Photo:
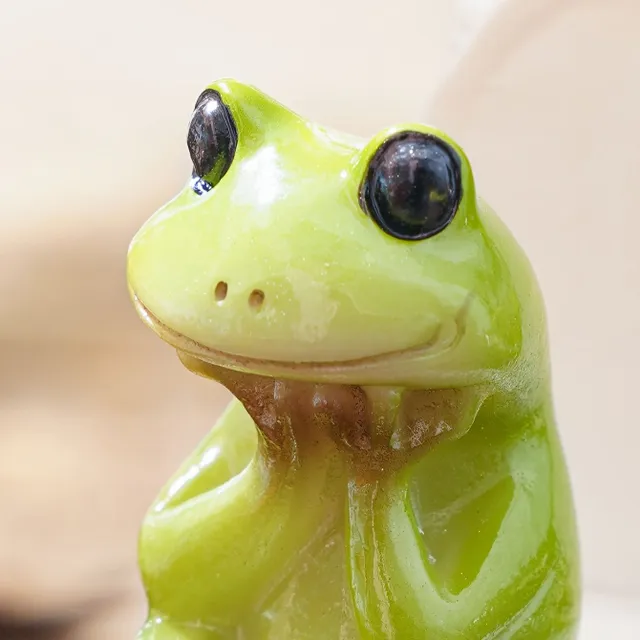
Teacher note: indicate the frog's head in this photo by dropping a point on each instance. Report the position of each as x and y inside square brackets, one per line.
[297, 252]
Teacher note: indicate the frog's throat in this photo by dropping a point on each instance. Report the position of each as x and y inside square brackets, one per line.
[445, 338]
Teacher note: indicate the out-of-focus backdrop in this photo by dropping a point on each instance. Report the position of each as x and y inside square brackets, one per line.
[96, 413]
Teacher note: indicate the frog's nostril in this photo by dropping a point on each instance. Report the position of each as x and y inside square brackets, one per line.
[221, 291]
[256, 298]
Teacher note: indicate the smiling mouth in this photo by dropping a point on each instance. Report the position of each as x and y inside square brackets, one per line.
[445, 338]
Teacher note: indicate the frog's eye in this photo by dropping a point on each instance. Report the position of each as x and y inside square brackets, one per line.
[211, 140]
[412, 187]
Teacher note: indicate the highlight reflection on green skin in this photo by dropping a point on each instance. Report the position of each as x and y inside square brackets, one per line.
[390, 467]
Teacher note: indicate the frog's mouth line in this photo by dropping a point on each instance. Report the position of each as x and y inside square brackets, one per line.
[445, 338]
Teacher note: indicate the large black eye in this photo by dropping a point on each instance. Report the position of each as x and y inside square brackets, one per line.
[211, 140]
[412, 187]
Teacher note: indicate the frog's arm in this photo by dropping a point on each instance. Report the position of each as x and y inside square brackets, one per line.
[259, 517]
[448, 545]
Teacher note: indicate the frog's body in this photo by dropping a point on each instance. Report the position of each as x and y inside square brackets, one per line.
[391, 466]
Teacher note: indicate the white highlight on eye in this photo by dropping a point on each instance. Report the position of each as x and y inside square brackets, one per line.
[211, 106]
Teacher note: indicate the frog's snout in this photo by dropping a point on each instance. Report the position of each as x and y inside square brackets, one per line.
[254, 299]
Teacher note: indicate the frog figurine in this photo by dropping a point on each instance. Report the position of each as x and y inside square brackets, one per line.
[390, 467]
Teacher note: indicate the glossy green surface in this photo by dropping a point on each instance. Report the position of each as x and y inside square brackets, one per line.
[391, 466]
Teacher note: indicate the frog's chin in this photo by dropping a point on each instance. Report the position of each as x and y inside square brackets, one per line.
[444, 339]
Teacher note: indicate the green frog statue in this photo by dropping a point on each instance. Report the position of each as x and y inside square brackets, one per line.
[390, 468]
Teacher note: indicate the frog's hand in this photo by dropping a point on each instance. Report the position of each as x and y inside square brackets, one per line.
[223, 454]
[229, 545]
[498, 565]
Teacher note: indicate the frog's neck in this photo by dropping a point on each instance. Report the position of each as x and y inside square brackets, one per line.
[304, 425]
[373, 431]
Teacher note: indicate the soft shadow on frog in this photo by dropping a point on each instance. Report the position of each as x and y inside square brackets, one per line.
[390, 467]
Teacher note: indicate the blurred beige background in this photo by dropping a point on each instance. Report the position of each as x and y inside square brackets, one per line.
[95, 412]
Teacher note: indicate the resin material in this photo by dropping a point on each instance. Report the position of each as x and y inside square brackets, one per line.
[390, 467]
